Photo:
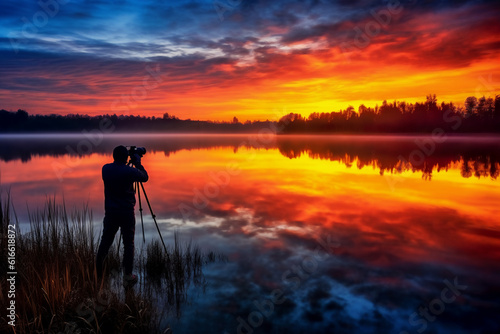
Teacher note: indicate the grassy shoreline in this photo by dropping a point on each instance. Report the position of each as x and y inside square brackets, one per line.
[57, 290]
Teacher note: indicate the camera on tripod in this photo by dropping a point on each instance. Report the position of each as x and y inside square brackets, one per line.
[140, 151]
[133, 150]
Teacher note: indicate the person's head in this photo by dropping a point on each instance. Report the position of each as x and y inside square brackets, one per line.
[120, 154]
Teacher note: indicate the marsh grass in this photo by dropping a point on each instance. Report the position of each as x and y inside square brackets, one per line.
[57, 290]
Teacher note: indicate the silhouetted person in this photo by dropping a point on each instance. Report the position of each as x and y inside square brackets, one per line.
[119, 202]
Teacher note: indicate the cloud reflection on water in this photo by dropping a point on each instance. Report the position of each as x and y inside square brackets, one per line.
[397, 244]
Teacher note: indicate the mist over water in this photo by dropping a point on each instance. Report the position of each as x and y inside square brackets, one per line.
[340, 234]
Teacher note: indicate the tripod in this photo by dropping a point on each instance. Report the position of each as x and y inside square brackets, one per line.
[137, 184]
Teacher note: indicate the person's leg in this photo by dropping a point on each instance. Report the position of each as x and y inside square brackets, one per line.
[128, 234]
[108, 235]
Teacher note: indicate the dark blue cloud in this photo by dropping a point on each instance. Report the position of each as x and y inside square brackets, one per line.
[146, 29]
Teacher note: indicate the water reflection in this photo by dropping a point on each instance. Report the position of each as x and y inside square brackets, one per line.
[477, 156]
[271, 206]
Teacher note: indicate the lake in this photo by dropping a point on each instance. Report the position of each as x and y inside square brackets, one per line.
[322, 234]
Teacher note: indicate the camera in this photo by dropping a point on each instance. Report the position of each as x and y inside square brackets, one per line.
[140, 151]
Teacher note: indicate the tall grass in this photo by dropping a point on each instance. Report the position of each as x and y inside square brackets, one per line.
[57, 290]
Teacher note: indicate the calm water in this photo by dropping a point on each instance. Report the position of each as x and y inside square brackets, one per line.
[323, 234]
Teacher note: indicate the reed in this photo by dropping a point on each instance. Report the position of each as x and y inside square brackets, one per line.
[57, 290]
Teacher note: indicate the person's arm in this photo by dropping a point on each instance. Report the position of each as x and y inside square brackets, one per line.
[140, 173]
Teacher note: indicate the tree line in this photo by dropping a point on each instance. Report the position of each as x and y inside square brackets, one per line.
[22, 122]
[476, 116]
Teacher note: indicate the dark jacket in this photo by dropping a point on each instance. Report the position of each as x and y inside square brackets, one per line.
[119, 194]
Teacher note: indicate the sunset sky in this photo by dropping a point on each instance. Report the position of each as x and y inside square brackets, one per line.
[212, 60]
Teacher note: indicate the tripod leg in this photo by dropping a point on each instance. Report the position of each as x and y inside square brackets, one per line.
[154, 217]
[140, 209]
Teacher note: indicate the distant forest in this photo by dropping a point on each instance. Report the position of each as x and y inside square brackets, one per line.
[22, 122]
[476, 116]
